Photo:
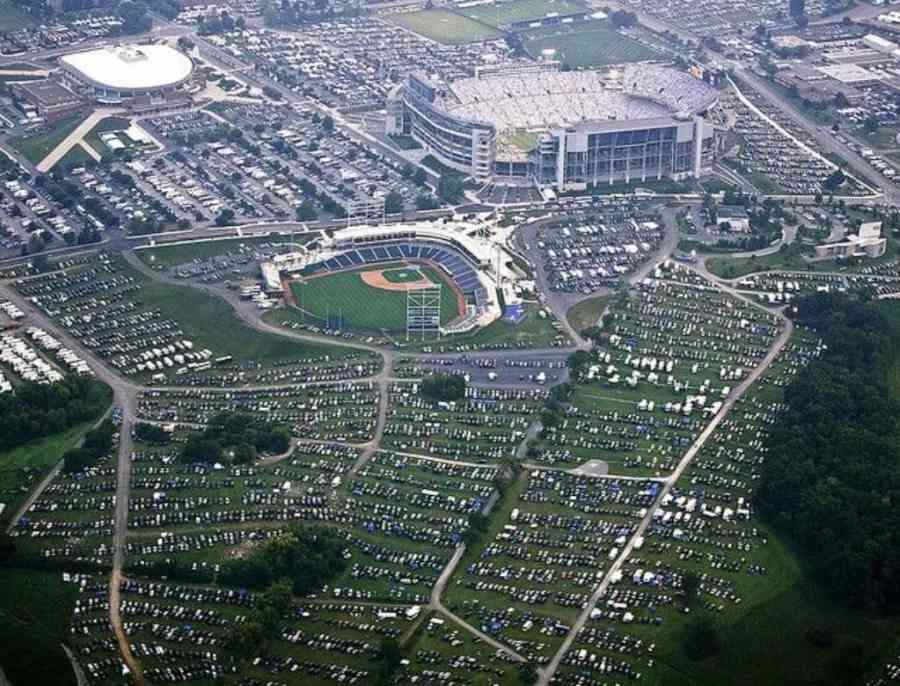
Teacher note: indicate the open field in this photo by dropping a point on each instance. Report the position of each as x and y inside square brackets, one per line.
[592, 45]
[501, 14]
[586, 312]
[348, 302]
[22, 468]
[36, 147]
[35, 608]
[180, 253]
[213, 323]
[445, 27]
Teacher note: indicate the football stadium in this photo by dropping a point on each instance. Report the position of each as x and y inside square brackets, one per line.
[414, 278]
[559, 129]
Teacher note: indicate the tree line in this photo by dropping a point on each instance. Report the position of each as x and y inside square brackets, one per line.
[831, 478]
[39, 410]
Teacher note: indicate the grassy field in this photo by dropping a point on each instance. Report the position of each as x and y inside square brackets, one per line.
[588, 45]
[587, 312]
[532, 332]
[212, 323]
[519, 10]
[181, 253]
[35, 148]
[11, 17]
[347, 299]
[35, 608]
[445, 27]
[22, 468]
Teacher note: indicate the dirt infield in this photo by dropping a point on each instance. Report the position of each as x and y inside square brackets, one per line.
[376, 279]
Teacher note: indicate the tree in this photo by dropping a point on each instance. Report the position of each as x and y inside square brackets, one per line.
[328, 123]
[390, 658]
[225, 217]
[578, 360]
[451, 188]
[834, 180]
[151, 433]
[443, 387]
[526, 675]
[306, 211]
[393, 203]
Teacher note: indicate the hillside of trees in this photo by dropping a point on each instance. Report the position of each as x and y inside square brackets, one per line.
[38, 410]
[832, 476]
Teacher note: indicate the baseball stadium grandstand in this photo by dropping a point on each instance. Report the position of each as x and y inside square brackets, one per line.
[559, 129]
[471, 269]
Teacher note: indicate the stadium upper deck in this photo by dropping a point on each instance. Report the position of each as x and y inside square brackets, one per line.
[579, 127]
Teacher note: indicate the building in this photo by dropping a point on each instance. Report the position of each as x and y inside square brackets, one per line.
[120, 74]
[867, 243]
[735, 215]
[562, 129]
[51, 100]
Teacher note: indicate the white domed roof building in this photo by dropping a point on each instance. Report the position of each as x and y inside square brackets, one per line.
[116, 74]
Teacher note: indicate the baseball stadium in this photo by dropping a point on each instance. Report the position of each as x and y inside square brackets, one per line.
[416, 279]
[559, 129]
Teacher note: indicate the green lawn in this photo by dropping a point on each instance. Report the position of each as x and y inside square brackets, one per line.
[35, 609]
[352, 304]
[734, 267]
[36, 147]
[212, 323]
[533, 331]
[588, 45]
[21, 469]
[771, 644]
[586, 313]
[445, 27]
[500, 14]
[187, 251]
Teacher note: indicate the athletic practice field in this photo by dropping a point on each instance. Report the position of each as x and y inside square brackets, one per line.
[593, 44]
[370, 299]
[500, 14]
[445, 27]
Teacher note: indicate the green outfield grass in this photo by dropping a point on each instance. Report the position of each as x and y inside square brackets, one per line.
[349, 302]
[445, 27]
[587, 45]
[519, 10]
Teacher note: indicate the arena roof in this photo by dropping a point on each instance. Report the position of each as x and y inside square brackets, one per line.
[554, 98]
[131, 67]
